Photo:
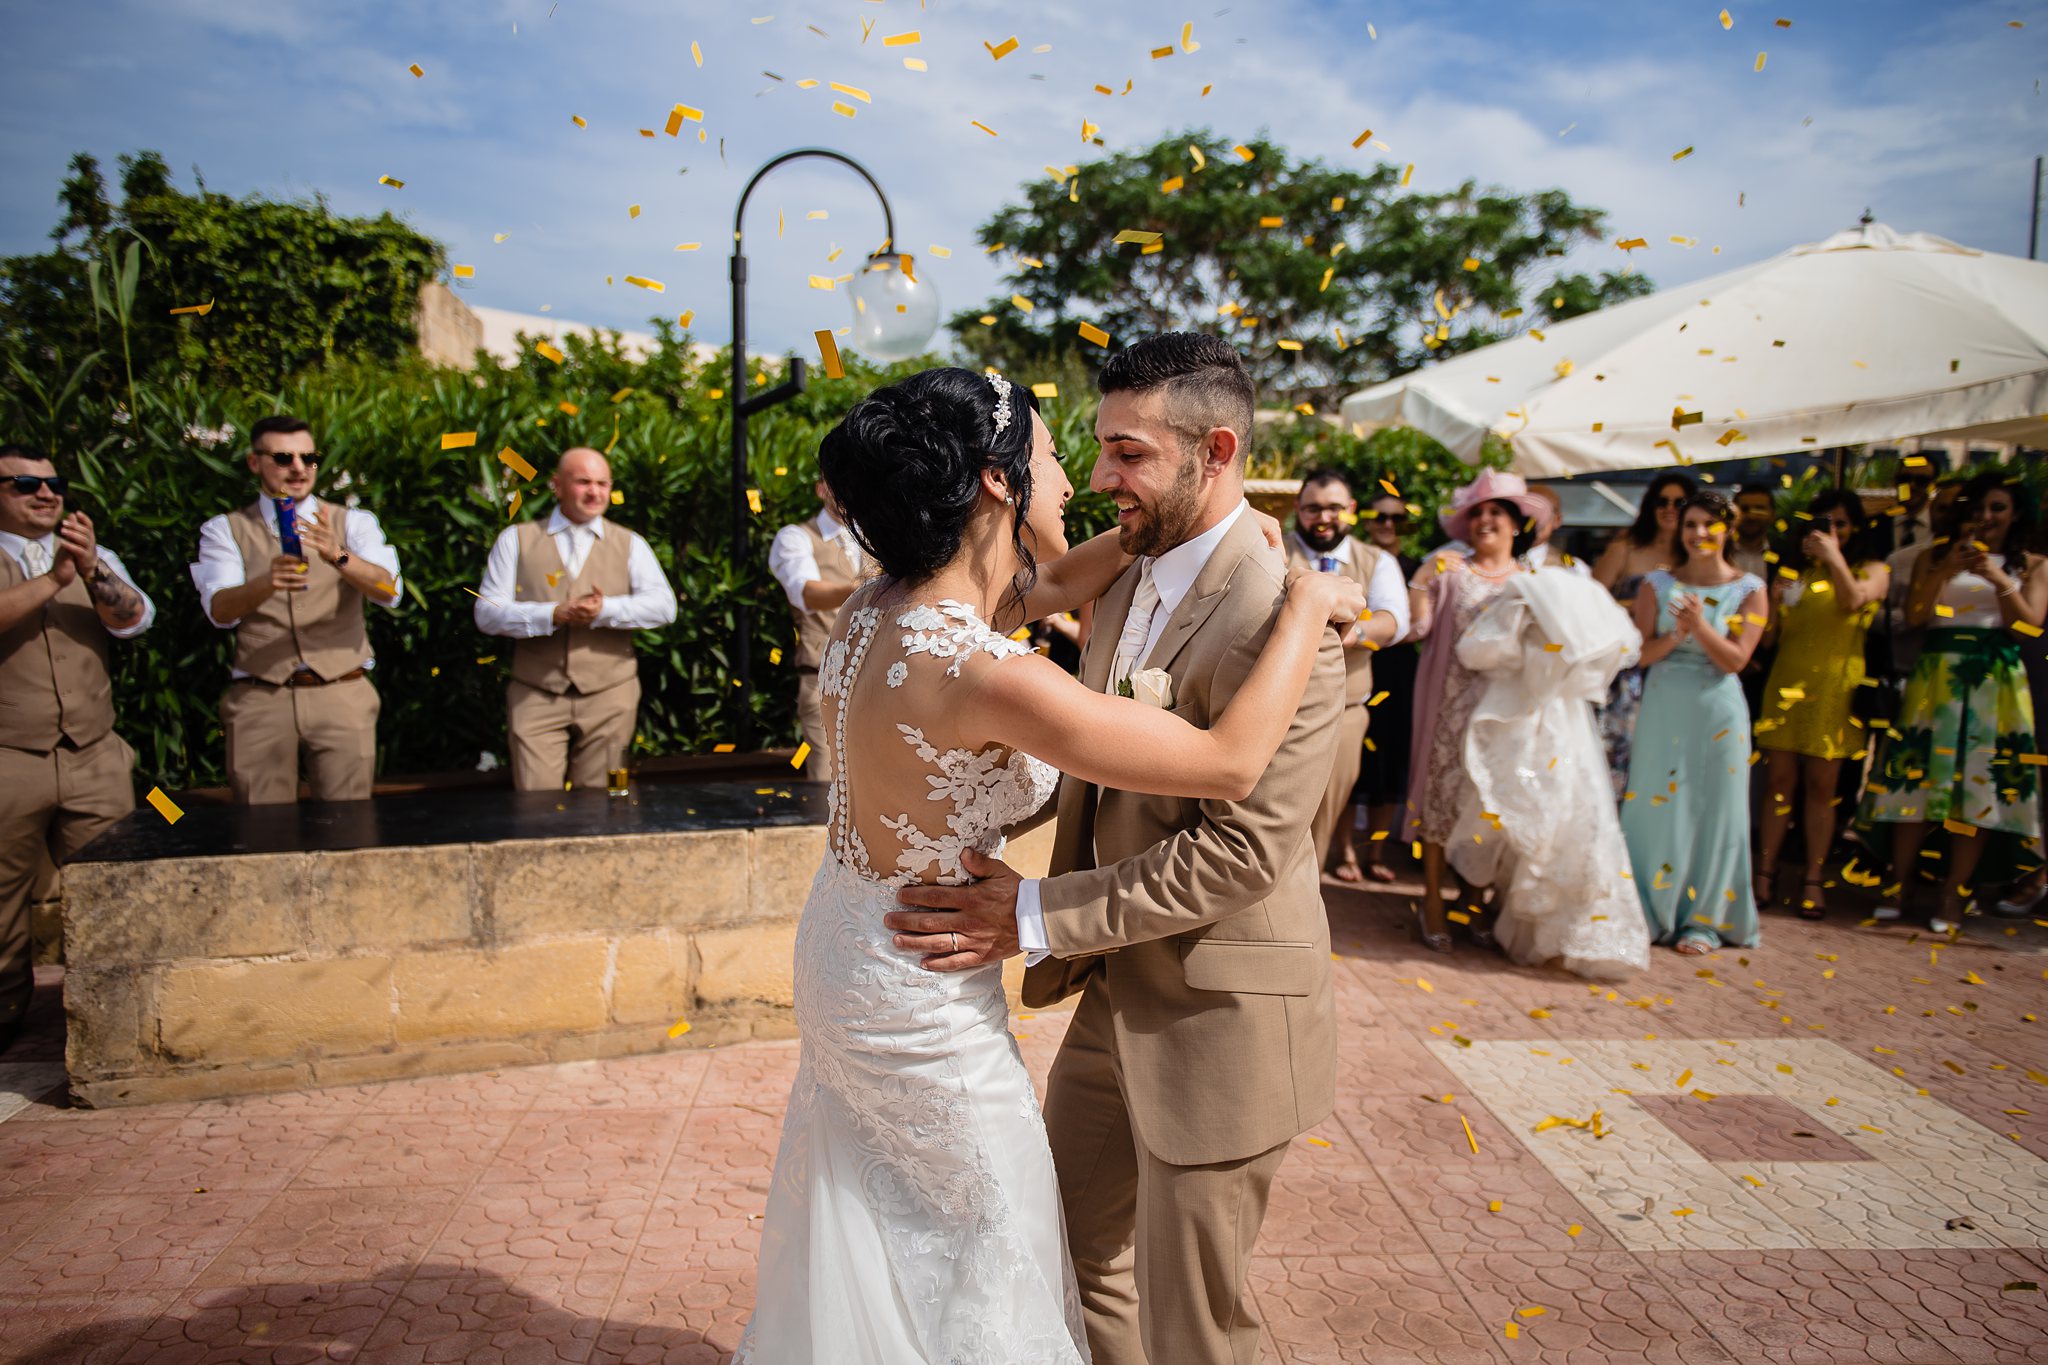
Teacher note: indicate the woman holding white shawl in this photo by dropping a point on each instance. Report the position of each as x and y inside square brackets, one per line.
[1539, 821]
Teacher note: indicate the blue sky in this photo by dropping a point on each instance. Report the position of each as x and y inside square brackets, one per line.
[1929, 113]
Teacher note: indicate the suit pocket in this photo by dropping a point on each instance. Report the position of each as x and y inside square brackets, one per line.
[1250, 966]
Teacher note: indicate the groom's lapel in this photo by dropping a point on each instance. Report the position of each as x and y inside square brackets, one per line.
[1110, 610]
[1209, 586]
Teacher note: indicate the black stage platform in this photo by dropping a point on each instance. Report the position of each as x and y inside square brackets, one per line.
[456, 817]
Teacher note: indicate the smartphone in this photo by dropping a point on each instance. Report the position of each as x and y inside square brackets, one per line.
[288, 527]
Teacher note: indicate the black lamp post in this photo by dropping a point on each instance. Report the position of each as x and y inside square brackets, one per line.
[881, 333]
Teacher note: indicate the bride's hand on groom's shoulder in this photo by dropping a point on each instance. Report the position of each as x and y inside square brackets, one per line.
[958, 928]
[1336, 597]
[1269, 527]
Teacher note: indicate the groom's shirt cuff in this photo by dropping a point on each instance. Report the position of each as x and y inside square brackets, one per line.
[1031, 923]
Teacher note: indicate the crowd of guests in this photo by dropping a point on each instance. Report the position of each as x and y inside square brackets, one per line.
[1770, 704]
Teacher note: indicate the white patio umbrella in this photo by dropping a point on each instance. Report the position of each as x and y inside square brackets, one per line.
[1868, 336]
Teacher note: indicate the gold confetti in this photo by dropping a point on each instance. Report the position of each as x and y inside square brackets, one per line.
[1760, 60]
[1510, 1331]
[655, 285]
[165, 807]
[517, 463]
[1470, 1140]
[1093, 335]
[1243, 151]
[1045, 390]
[1003, 49]
[457, 440]
[681, 1026]
[197, 309]
[1362, 138]
[578, 120]
[632, 210]
[1318, 1142]
[1681, 154]
[548, 351]
[1159, 52]
[910, 39]
[1727, 20]
[1023, 304]
[984, 127]
[1631, 243]
[828, 355]
[1132, 235]
[394, 184]
[803, 751]
[843, 109]
[415, 69]
[914, 64]
[1187, 40]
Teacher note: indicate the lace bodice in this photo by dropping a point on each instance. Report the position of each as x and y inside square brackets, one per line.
[970, 795]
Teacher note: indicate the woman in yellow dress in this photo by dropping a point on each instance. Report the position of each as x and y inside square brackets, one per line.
[1805, 729]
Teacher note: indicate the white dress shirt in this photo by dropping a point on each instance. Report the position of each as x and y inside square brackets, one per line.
[794, 563]
[1386, 592]
[17, 546]
[648, 603]
[220, 558]
[1173, 574]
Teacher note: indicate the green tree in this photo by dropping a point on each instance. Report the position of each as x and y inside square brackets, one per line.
[1327, 278]
[292, 285]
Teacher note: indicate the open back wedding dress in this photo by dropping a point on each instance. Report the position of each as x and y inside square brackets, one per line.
[914, 1215]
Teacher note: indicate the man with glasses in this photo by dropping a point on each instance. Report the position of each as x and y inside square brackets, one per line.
[300, 680]
[1750, 549]
[1324, 512]
[64, 773]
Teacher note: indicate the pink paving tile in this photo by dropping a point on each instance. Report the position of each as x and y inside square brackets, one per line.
[757, 1074]
[1791, 1308]
[314, 1236]
[226, 1151]
[1733, 1127]
[1600, 1305]
[61, 1158]
[1959, 1298]
[629, 1145]
[668, 1080]
[1421, 1130]
[264, 1322]
[730, 1144]
[534, 1320]
[557, 1230]
[76, 1330]
[405, 1150]
[686, 1317]
[1451, 1209]
[707, 1225]
[512, 1090]
[116, 1243]
[1402, 1310]
[1328, 1200]
[22, 1214]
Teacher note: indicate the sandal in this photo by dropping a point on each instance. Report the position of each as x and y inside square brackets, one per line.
[1348, 872]
[1695, 945]
[1763, 885]
[1813, 903]
[1435, 942]
[1379, 872]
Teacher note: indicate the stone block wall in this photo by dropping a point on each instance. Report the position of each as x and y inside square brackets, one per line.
[209, 976]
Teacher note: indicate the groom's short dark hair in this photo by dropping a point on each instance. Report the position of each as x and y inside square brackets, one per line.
[1205, 379]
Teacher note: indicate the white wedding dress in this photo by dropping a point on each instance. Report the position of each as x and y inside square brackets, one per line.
[914, 1216]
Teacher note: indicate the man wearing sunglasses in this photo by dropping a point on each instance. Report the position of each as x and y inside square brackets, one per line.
[300, 681]
[64, 773]
[1324, 512]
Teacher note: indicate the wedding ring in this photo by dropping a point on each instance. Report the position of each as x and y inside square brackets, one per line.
[956, 941]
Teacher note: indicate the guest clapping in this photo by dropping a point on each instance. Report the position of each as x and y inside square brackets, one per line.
[1650, 543]
[1966, 722]
[1685, 813]
[1820, 620]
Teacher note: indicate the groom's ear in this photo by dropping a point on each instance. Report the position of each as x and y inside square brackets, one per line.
[1219, 449]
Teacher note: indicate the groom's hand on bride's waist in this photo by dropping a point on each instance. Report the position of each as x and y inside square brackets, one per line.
[957, 928]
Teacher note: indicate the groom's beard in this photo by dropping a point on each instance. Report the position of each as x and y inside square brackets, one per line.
[1322, 537]
[1160, 526]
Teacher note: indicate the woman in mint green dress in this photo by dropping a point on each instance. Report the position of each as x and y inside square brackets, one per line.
[1685, 813]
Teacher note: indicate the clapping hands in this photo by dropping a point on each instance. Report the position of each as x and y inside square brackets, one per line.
[580, 611]
[1686, 614]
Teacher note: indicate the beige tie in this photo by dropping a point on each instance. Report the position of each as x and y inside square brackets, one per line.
[579, 549]
[32, 554]
[1130, 646]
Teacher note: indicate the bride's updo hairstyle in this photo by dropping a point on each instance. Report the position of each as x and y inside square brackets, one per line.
[905, 465]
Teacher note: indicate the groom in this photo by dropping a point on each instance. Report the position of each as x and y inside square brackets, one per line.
[1204, 1042]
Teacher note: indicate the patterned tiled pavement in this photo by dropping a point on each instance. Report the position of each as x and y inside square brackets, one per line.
[1829, 1149]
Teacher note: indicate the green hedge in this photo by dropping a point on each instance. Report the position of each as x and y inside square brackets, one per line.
[149, 482]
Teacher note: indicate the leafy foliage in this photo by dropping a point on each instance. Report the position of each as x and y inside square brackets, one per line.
[1328, 278]
[293, 285]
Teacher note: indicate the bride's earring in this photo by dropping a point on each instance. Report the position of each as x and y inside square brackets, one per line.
[1009, 500]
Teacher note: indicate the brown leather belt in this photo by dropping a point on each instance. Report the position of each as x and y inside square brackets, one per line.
[307, 679]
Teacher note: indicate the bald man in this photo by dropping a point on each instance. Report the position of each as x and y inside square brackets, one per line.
[571, 590]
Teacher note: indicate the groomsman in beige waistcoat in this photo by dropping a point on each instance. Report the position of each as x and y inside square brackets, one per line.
[1324, 512]
[572, 590]
[300, 682]
[64, 773]
[819, 564]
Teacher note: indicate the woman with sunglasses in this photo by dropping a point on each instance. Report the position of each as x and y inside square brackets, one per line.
[1805, 729]
[1966, 723]
[1647, 545]
[1685, 813]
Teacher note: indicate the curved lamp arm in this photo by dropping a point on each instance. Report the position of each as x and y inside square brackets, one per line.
[888, 217]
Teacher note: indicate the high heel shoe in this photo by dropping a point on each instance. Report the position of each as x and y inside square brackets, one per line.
[1813, 900]
[1437, 942]
[2019, 907]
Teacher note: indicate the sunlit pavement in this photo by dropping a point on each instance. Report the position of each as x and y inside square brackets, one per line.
[1828, 1149]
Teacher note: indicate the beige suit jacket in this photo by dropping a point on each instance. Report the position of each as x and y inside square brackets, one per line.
[1202, 922]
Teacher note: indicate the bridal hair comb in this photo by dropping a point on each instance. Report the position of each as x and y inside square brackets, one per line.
[1002, 388]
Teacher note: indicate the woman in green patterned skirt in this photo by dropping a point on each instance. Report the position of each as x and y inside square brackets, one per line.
[1965, 756]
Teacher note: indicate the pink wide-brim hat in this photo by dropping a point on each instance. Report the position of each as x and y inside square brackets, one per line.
[1493, 485]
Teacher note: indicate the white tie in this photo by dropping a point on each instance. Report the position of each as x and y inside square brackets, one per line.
[1130, 646]
[579, 550]
[38, 562]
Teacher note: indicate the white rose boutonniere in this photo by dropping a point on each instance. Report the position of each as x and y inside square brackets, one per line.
[1152, 686]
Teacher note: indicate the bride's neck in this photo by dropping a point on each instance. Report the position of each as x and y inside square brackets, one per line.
[980, 575]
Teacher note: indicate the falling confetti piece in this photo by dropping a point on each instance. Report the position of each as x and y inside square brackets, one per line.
[1244, 152]
[803, 751]
[165, 807]
[1093, 335]
[984, 127]
[828, 354]
[415, 69]
[457, 440]
[1133, 235]
[1046, 390]
[394, 184]
[517, 463]
[578, 120]
[1681, 154]
[544, 349]
[655, 285]
[1003, 49]
[910, 39]
[1318, 1142]
[1727, 20]
[679, 1028]
[1760, 60]
[197, 309]
[1362, 138]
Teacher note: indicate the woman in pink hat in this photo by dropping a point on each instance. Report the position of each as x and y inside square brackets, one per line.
[1499, 518]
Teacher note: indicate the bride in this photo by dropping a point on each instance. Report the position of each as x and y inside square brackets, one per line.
[914, 1215]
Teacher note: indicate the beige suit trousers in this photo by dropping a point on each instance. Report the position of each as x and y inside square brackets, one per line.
[55, 802]
[1344, 767]
[268, 728]
[810, 712]
[1160, 1251]
[572, 736]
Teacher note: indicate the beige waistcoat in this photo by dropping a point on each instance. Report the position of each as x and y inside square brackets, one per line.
[586, 658]
[54, 683]
[321, 627]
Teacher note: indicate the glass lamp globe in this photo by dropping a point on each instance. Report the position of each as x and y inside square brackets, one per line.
[894, 311]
